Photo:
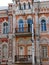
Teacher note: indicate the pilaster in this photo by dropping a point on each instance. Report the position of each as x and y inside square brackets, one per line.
[14, 16]
[10, 49]
[37, 38]
[14, 53]
[0, 51]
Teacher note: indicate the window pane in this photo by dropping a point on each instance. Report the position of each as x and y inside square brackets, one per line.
[30, 22]
[43, 25]
[44, 51]
[4, 51]
[21, 27]
[24, 6]
[20, 6]
[5, 28]
[29, 5]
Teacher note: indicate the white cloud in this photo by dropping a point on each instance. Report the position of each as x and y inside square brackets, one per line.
[5, 2]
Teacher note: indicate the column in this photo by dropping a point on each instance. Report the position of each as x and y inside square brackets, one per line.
[14, 49]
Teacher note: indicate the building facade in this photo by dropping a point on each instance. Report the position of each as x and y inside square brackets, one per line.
[16, 37]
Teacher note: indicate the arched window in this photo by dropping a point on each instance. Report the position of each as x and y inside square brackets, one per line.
[43, 25]
[30, 22]
[29, 5]
[21, 26]
[4, 50]
[20, 6]
[24, 6]
[5, 28]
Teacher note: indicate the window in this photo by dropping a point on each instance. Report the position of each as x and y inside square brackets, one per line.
[20, 6]
[43, 25]
[29, 5]
[29, 25]
[5, 28]
[24, 6]
[21, 50]
[44, 51]
[21, 26]
[4, 48]
[29, 50]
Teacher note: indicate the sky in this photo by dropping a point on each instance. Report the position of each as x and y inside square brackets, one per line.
[5, 2]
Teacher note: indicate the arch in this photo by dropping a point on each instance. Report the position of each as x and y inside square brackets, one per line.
[29, 17]
[29, 41]
[17, 22]
[20, 21]
[44, 40]
[43, 25]
[20, 18]
[5, 24]
[30, 21]
[21, 41]
[41, 18]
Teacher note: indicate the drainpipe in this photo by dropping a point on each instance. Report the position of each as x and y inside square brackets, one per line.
[33, 48]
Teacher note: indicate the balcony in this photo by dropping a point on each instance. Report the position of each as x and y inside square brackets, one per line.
[23, 58]
[23, 31]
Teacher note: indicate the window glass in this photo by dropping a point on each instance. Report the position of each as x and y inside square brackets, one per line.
[20, 6]
[4, 48]
[24, 6]
[44, 52]
[29, 25]
[29, 5]
[21, 26]
[5, 28]
[43, 25]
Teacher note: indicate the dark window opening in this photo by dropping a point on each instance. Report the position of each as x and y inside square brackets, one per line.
[29, 5]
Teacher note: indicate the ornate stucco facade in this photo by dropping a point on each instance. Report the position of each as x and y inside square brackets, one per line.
[16, 31]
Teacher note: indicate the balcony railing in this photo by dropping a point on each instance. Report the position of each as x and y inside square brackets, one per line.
[25, 58]
[23, 30]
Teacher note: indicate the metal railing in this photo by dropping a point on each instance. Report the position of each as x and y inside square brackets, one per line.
[23, 30]
[25, 58]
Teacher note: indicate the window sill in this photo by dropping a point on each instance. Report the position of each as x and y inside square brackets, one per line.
[44, 59]
[44, 31]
